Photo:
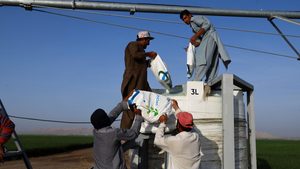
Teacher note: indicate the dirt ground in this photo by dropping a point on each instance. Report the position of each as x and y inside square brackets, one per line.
[78, 159]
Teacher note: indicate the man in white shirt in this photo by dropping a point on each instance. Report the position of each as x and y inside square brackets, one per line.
[184, 148]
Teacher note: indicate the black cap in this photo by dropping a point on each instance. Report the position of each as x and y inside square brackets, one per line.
[99, 119]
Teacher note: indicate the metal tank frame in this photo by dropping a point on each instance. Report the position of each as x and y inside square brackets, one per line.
[229, 82]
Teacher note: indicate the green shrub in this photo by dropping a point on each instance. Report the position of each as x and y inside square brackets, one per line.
[38, 145]
[278, 154]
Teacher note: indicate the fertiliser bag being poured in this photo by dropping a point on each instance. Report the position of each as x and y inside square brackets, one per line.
[151, 104]
[160, 72]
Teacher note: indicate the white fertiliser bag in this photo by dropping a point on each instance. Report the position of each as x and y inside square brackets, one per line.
[160, 72]
[151, 104]
[190, 60]
[152, 127]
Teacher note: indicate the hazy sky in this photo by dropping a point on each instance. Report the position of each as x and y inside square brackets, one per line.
[58, 68]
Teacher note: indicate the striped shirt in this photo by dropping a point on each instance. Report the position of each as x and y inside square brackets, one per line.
[6, 128]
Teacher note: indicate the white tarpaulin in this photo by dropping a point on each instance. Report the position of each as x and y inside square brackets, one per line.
[160, 72]
[151, 104]
[190, 60]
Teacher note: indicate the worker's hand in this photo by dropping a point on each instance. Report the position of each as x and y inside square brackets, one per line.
[134, 109]
[175, 104]
[151, 54]
[194, 42]
[193, 39]
[163, 118]
[127, 97]
[1, 153]
[186, 48]
[137, 111]
[226, 63]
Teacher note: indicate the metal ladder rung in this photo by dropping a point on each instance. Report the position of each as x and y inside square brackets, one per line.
[13, 153]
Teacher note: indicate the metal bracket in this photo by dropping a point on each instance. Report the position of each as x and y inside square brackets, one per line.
[73, 4]
[27, 7]
[270, 19]
[287, 20]
[132, 11]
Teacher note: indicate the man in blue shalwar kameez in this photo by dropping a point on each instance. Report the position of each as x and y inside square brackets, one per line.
[208, 47]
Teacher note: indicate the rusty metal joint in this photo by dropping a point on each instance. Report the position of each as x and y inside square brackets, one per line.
[132, 11]
[73, 4]
[271, 18]
[27, 7]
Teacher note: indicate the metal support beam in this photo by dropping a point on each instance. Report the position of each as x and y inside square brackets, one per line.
[284, 38]
[287, 20]
[227, 82]
[251, 129]
[228, 122]
[149, 8]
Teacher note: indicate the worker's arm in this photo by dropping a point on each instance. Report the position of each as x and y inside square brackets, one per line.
[204, 25]
[133, 132]
[166, 143]
[139, 54]
[160, 139]
[175, 107]
[134, 51]
[116, 111]
[151, 54]
[197, 36]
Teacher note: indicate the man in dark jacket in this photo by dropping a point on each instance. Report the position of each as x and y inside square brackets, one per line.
[107, 149]
[135, 74]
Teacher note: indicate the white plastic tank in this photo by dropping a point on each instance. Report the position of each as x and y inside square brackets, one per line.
[206, 107]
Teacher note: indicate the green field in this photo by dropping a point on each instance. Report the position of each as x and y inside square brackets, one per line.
[271, 154]
[37, 145]
[278, 154]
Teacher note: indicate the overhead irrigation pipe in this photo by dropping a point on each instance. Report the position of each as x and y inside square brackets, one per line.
[148, 8]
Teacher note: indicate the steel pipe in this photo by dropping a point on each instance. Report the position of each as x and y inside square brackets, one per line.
[148, 8]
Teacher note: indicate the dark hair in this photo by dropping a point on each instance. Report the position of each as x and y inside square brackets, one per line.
[182, 127]
[184, 12]
[99, 119]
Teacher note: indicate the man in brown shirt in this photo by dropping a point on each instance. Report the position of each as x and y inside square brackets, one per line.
[135, 74]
